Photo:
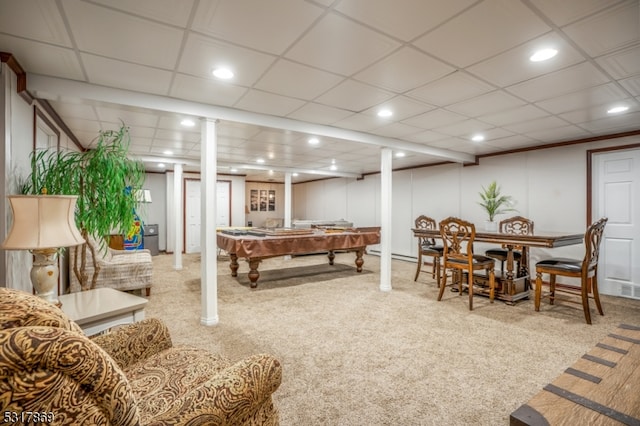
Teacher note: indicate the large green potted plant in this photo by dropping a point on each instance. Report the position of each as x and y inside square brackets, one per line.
[494, 204]
[104, 178]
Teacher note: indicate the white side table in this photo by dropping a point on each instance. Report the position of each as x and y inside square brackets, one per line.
[98, 310]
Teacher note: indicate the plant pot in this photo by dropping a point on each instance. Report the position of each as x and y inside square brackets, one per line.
[490, 226]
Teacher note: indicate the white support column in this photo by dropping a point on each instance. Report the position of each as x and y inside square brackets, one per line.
[177, 208]
[209, 264]
[287, 200]
[385, 218]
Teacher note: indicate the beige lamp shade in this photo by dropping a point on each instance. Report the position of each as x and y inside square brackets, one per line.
[42, 221]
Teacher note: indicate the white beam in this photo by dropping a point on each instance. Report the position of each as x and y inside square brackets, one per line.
[208, 254]
[59, 89]
[177, 208]
[386, 160]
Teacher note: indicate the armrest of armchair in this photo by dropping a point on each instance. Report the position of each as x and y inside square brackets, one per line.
[238, 394]
[135, 342]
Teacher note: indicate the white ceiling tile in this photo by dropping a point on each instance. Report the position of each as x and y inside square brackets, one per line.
[69, 110]
[404, 19]
[270, 26]
[623, 63]
[203, 54]
[565, 12]
[88, 126]
[397, 130]
[495, 133]
[122, 36]
[123, 75]
[594, 113]
[511, 142]
[426, 136]
[177, 135]
[40, 58]
[169, 11]
[36, 20]
[550, 122]
[488, 28]
[359, 122]
[268, 103]
[354, 96]
[514, 115]
[298, 81]
[520, 68]
[130, 117]
[559, 134]
[464, 129]
[616, 27]
[612, 123]
[402, 108]
[577, 77]
[632, 85]
[404, 70]
[141, 135]
[339, 45]
[486, 104]
[436, 118]
[321, 114]
[205, 90]
[591, 96]
[453, 88]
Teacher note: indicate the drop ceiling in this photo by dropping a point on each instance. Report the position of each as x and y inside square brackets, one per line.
[448, 69]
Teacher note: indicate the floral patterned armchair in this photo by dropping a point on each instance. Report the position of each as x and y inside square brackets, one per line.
[131, 376]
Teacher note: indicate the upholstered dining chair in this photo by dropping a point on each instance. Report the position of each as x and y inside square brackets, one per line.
[428, 247]
[516, 225]
[458, 236]
[585, 269]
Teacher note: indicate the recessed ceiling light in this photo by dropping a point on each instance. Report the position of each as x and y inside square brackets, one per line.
[543, 55]
[314, 141]
[271, 172]
[400, 154]
[618, 109]
[223, 73]
[168, 152]
[260, 160]
[385, 113]
[161, 165]
[333, 167]
[477, 138]
[295, 175]
[234, 170]
[187, 122]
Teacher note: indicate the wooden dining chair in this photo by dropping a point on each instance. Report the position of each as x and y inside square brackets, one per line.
[516, 225]
[428, 247]
[585, 269]
[458, 236]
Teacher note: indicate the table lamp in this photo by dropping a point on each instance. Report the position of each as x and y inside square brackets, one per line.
[42, 224]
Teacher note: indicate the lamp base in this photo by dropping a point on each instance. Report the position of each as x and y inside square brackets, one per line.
[44, 274]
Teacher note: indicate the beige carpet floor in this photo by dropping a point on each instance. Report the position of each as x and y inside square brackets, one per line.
[353, 355]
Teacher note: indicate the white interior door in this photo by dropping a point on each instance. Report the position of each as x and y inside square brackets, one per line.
[192, 216]
[617, 197]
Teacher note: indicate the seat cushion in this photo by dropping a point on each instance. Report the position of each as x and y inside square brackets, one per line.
[159, 381]
[430, 250]
[561, 264]
[477, 260]
[501, 254]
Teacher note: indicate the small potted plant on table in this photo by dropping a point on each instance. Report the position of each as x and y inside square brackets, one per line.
[494, 204]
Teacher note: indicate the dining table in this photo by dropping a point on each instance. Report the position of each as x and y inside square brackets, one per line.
[514, 284]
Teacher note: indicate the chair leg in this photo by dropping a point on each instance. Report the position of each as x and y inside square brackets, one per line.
[419, 265]
[585, 301]
[433, 268]
[492, 284]
[470, 288]
[436, 260]
[538, 291]
[552, 289]
[596, 293]
[443, 284]
[148, 291]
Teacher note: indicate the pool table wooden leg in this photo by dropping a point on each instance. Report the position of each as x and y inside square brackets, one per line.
[234, 264]
[254, 275]
[359, 259]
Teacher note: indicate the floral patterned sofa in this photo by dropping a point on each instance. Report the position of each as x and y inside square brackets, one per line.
[131, 376]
